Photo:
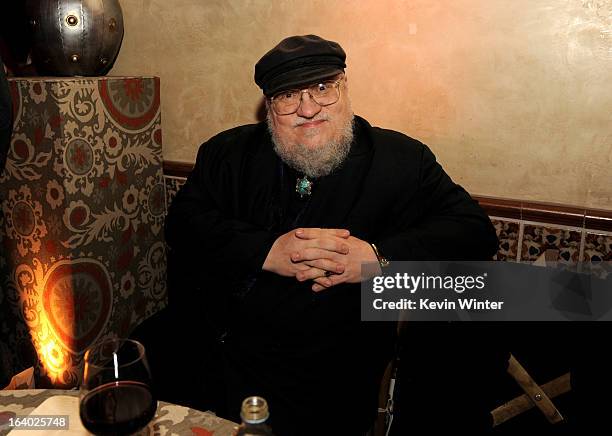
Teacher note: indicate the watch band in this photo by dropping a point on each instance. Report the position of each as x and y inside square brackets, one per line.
[382, 261]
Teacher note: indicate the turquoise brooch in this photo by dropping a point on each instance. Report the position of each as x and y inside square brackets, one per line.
[303, 186]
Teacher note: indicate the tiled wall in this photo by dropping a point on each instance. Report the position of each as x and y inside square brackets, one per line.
[508, 233]
[522, 240]
[597, 246]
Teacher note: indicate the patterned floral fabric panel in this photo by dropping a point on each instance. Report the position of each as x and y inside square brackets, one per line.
[83, 204]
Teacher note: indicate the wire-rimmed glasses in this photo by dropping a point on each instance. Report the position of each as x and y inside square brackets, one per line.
[324, 94]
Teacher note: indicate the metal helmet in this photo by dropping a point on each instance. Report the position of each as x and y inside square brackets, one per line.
[75, 37]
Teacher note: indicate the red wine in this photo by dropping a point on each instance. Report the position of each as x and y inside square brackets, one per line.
[122, 407]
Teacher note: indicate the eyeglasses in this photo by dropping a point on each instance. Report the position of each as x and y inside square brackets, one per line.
[324, 94]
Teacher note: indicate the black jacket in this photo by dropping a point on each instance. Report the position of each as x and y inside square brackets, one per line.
[280, 339]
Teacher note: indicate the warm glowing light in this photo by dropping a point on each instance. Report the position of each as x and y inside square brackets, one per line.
[66, 307]
[55, 359]
[52, 355]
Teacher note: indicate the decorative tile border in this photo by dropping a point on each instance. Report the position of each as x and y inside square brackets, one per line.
[508, 234]
[537, 238]
[597, 247]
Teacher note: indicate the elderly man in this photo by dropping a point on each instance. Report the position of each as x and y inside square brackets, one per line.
[270, 230]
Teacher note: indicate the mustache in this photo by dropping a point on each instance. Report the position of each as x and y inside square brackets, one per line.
[302, 121]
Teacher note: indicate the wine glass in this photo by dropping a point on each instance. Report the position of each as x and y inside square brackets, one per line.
[116, 396]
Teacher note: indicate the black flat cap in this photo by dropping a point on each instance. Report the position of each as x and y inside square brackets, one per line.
[298, 60]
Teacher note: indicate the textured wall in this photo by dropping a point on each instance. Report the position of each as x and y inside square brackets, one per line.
[514, 97]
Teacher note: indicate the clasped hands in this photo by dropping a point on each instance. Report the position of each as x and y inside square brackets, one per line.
[326, 256]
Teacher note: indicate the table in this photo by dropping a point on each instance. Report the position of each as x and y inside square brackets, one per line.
[170, 419]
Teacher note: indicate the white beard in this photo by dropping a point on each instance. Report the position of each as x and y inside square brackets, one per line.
[319, 161]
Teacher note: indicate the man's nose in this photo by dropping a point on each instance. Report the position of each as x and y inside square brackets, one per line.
[308, 107]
